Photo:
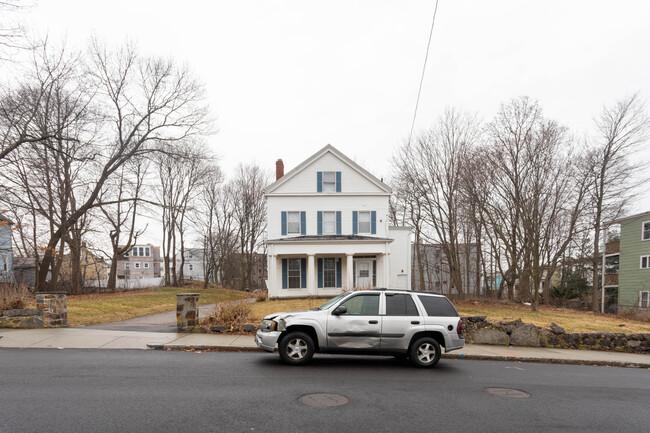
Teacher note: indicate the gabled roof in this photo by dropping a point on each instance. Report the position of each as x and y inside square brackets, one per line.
[4, 218]
[334, 151]
[631, 217]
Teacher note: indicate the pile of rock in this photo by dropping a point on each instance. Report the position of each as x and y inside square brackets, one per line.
[246, 329]
[478, 330]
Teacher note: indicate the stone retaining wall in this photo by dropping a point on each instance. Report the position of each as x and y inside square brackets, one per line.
[51, 312]
[516, 333]
[25, 318]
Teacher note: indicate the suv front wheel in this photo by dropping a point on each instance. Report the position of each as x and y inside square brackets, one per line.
[296, 348]
[425, 352]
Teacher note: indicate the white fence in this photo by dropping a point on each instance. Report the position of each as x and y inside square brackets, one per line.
[131, 284]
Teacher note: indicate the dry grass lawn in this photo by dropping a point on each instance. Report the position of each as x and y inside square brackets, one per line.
[113, 307]
[570, 320]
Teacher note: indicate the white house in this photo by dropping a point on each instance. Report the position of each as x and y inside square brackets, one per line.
[328, 230]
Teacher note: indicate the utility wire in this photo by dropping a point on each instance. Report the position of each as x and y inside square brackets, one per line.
[424, 67]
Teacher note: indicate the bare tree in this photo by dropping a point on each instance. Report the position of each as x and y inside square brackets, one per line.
[145, 101]
[432, 168]
[249, 212]
[621, 129]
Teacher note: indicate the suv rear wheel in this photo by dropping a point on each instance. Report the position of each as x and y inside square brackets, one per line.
[296, 348]
[425, 352]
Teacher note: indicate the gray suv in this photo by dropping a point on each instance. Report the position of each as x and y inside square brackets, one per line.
[376, 322]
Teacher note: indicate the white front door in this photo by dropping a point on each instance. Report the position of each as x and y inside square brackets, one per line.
[364, 274]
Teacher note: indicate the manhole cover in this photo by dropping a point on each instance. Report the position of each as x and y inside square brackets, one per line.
[323, 400]
[507, 392]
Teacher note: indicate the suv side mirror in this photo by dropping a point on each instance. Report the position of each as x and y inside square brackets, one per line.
[341, 309]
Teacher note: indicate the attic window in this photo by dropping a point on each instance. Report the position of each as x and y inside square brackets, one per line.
[329, 181]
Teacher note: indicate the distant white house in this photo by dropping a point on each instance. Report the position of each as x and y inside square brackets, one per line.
[6, 251]
[328, 230]
[193, 268]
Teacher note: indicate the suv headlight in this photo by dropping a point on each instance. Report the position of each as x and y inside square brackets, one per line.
[269, 325]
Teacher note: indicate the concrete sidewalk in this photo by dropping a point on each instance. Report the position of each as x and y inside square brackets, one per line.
[127, 338]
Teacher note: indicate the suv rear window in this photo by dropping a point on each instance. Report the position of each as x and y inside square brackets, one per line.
[400, 305]
[438, 306]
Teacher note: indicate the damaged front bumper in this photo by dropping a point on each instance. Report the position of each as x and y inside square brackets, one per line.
[267, 339]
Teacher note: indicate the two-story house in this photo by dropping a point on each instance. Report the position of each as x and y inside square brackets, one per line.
[328, 230]
[6, 251]
[143, 261]
[633, 251]
[193, 267]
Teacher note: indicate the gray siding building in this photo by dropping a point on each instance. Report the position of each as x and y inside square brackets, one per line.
[6, 251]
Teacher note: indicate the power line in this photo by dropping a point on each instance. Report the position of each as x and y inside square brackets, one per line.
[424, 67]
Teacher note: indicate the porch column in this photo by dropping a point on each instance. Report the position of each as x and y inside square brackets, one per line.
[272, 271]
[311, 274]
[349, 271]
[386, 269]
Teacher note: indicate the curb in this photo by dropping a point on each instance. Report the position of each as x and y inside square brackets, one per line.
[545, 360]
[209, 348]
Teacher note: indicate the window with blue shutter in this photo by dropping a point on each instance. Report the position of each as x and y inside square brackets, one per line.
[373, 222]
[320, 273]
[285, 277]
[303, 223]
[284, 223]
[319, 222]
[303, 273]
[319, 181]
[338, 181]
[338, 222]
[355, 218]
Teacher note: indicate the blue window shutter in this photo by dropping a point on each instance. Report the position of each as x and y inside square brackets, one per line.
[303, 273]
[338, 181]
[319, 223]
[285, 277]
[319, 181]
[303, 223]
[339, 279]
[284, 223]
[355, 229]
[373, 222]
[338, 222]
[320, 273]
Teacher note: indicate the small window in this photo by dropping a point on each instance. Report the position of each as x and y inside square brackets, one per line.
[191, 267]
[329, 223]
[646, 231]
[400, 305]
[140, 278]
[127, 266]
[329, 181]
[363, 305]
[145, 265]
[438, 306]
[364, 222]
[136, 265]
[644, 299]
[645, 262]
[293, 273]
[293, 222]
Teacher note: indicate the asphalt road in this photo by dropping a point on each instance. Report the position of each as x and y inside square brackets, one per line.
[142, 391]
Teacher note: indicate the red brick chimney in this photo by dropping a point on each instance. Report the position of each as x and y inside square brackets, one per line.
[279, 169]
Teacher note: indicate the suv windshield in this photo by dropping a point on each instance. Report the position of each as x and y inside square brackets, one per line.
[332, 301]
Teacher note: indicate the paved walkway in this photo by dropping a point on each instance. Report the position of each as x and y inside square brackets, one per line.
[124, 337]
[164, 322]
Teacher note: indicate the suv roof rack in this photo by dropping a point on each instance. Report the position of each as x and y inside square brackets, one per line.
[406, 290]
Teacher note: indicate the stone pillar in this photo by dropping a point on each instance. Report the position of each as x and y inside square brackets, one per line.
[312, 285]
[349, 271]
[54, 307]
[187, 311]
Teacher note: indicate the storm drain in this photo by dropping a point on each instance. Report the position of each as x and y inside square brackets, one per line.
[323, 400]
[507, 392]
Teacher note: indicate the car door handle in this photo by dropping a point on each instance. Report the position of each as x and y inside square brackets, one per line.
[415, 322]
[373, 322]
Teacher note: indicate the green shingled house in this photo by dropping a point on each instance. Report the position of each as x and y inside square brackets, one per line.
[634, 263]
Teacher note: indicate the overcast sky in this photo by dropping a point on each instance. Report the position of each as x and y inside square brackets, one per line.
[285, 78]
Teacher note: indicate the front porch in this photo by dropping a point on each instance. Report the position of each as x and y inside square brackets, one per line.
[326, 269]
